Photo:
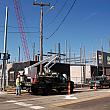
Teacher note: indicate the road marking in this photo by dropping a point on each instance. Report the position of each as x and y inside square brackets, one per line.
[2, 93]
[70, 97]
[23, 104]
[44, 97]
[36, 107]
[11, 101]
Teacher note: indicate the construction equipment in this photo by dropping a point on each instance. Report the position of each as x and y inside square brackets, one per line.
[56, 81]
[21, 28]
[50, 80]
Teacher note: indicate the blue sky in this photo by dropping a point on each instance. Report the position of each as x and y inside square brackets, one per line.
[87, 24]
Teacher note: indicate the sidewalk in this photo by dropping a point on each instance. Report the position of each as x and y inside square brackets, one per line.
[83, 94]
[12, 91]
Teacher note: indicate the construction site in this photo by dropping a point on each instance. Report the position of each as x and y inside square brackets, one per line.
[67, 66]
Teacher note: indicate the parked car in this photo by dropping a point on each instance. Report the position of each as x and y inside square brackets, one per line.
[99, 81]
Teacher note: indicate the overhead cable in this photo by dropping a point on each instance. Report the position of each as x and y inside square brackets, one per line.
[58, 13]
[73, 4]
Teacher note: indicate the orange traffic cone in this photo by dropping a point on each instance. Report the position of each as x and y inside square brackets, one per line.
[34, 80]
[95, 87]
[68, 87]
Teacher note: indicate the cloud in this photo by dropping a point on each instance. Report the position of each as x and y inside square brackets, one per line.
[90, 16]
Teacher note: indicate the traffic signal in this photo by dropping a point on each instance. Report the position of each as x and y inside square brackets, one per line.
[0, 55]
[8, 56]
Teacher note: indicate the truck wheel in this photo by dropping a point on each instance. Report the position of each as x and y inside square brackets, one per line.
[34, 90]
[59, 90]
[91, 87]
[44, 91]
[47, 90]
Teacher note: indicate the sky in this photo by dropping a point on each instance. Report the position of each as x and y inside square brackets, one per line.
[87, 25]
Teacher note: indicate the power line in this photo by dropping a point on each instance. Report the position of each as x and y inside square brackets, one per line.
[24, 32]
[51, 7]
[19, 27]
[58, 13]
[19, 32]
[73, 4]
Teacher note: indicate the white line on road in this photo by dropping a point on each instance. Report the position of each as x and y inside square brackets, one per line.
[44, 97]
[36, 107]
[70, 97]
[11, 101]
[2, 93]
[23, 104]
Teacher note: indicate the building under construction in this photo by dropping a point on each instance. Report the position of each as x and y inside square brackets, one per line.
[80, 73]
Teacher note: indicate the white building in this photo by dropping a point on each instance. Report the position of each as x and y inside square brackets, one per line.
[81, 74]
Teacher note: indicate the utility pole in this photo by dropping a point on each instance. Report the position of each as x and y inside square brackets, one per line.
[109, 45]
[34, 51]
[55, 54]
[102, 54]
[19, 54]
[3, 79]
[59, 52]
[81, 62]
[70, 55]
[66, 51]
[41, 30]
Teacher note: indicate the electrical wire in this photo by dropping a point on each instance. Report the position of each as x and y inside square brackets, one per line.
[58, 13]
[24, 32]
[19, 32]
[48, 10]
[73, 4]
[19, 27]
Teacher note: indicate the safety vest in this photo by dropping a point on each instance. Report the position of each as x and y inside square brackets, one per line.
[18, 83]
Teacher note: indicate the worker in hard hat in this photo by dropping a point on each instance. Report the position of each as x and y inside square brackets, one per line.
[18, 85]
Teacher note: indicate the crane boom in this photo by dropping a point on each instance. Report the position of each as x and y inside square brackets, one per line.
[21, 29]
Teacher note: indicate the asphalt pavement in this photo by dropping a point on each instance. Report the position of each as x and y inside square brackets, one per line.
[51, 102]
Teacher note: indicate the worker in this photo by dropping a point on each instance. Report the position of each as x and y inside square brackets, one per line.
[18, 85]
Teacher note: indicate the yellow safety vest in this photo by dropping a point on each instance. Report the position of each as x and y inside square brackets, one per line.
[18, 83]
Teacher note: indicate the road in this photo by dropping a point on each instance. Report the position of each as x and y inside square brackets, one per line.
[96, 104]
[85, 100]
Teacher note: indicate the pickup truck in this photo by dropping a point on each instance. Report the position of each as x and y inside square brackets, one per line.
[45, 84]
[99, 82]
